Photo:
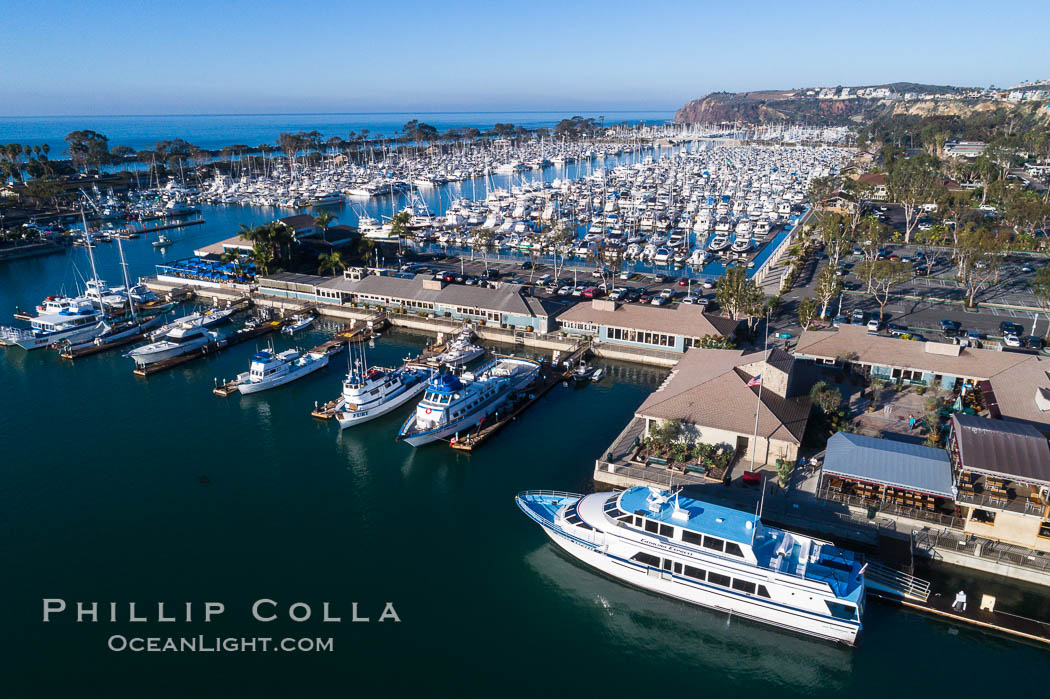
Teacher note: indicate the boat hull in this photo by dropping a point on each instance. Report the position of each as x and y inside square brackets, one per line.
[298, 373]
[600, 552]
[361, 416]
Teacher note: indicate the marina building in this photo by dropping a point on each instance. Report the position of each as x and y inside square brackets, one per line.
[715, 395]
[1002, 470]
[1014, 386]
[505, 305]
[676, 329]
[869, 471]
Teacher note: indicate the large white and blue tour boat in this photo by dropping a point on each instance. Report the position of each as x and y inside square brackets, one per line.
[452, 403]
[709, 555]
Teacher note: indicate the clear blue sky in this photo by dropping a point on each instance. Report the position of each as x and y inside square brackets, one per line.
[210, 56]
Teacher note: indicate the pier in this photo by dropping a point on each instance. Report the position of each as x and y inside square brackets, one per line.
[235, 338]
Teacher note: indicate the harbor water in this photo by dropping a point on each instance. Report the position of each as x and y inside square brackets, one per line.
[124, 489]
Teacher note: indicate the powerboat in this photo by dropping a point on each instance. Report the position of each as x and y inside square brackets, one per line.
[180, 340]
[270, 370]
[709, 555]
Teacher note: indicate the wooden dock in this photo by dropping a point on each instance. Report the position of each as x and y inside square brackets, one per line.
[145, 230]
[987, 619]
[235, 338]
[548, 378]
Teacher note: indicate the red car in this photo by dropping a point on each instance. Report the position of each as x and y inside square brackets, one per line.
[592, 292]
[645, 298]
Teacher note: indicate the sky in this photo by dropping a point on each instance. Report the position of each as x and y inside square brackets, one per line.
[236, 57]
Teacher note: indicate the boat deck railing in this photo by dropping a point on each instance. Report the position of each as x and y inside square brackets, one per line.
[884, 579]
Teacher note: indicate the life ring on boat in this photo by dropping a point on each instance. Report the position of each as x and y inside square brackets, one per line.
[428, 411]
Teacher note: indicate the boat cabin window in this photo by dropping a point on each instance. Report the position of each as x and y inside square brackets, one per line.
[744, 586]
[841, 611]
[763, 592]
[696, 573]
[651, 526]
[714, 544]
[668, 564]
[733, 549]
[678, 568]
[690, 537]
[667, 530]
[647, 559]
[718, 579]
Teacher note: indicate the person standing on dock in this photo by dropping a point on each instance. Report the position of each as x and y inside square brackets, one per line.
[959, 604]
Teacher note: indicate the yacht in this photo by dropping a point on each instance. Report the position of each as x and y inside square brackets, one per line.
[162, 241]
[708, 555]
[270, 370]
[451, 404]
[376, 391]
[180, 340]
[718, 243]
[207, 319]
[330, 199]
[460, 350]
[299, 322]
[79, 321]
[743, 243]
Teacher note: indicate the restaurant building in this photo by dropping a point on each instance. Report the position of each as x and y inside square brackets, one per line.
[676, 329]
[1002, 471]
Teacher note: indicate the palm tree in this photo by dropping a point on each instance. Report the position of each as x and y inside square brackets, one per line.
[330, 262]
[324, 219]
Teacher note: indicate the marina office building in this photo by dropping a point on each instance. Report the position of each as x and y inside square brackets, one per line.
[676, 329]
[506, 305]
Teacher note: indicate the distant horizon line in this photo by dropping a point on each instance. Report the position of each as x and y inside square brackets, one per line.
[216, 114]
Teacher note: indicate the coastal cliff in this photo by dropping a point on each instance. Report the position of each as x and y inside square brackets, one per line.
[802, 106]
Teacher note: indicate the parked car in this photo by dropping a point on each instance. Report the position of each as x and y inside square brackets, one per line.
[1033, 342]
[1010, 328]
[525, 265]
[683, 282]
[873, 325]
[858, 317]
[839, 320]
[596, 273]
[950, 328]
[625, 275]
[709, 284]
[1012, 340]
[688, 299]
[660, 301]
[896, 329]
[592, 292]
[1027, 268]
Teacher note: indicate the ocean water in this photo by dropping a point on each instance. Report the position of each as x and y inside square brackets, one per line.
[102, 500]
[215, 131]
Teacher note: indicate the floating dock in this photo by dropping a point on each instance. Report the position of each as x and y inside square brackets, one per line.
[548, 378]
[234, 338]
[982, 613]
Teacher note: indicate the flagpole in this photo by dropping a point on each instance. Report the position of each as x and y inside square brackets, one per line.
[758, 404]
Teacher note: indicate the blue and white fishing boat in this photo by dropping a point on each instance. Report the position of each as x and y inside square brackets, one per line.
[270, 370]
[369, 393]
[708, 555]
[452, 403]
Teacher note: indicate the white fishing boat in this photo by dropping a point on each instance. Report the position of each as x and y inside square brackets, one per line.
[370, 393]
[719, 243]
[451, 404]
[162, 241]
[709, 555]
[270, 370]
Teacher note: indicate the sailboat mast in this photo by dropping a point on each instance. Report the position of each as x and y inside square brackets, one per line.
[127, 281]
[91, 259]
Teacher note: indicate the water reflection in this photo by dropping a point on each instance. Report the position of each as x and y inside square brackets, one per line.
[678, 632]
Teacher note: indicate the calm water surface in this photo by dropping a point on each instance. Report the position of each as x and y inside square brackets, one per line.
[102, 500]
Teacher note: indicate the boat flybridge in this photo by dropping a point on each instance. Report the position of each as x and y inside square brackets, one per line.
[709, 555]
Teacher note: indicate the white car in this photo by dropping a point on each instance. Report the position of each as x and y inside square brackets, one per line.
[1012, 341]
[709, 284]
[659, 301]
[873, 325]
[689, 300]
[565, 291]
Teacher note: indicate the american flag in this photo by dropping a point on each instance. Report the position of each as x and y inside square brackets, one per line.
[757, 381]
